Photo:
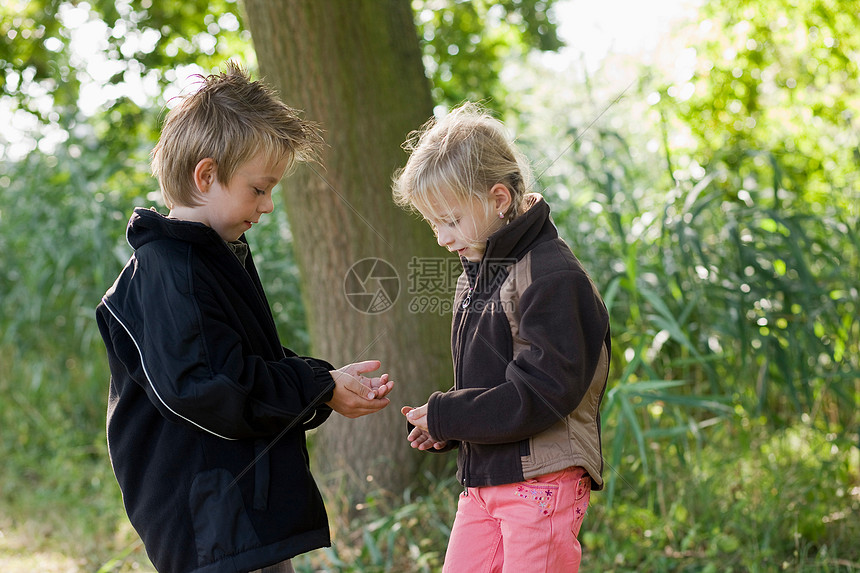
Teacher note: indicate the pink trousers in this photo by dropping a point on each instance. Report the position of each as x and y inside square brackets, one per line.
[529, 526]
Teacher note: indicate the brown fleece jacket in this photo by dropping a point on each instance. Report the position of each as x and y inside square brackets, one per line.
[531, 345]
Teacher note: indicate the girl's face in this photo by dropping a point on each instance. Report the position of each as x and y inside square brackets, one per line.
[461, 226]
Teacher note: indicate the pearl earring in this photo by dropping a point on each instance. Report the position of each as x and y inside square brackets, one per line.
[501, 215]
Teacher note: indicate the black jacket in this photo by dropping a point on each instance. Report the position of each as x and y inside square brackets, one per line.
[200, 392]
[531, 348]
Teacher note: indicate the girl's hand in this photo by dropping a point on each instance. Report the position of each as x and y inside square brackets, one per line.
[416, 416]
[420, 437]
[421, 440]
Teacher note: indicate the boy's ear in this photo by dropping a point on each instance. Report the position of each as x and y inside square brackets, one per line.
[205, 173]
[500, 196]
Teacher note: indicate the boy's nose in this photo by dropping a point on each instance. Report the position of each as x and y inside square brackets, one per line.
[267, 205]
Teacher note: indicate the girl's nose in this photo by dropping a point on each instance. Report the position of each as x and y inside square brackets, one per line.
[444, 237]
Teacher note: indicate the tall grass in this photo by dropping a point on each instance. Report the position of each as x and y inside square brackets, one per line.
[61, 231]
[728, 309]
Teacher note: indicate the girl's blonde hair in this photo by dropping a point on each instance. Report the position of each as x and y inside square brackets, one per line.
[229, 119]
[464, 154]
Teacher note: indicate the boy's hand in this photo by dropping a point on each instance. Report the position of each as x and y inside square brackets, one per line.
[379, 386]
[420, 437]
[356, 395]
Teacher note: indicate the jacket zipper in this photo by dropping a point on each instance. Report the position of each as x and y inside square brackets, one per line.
[257, 292]
[464, 306]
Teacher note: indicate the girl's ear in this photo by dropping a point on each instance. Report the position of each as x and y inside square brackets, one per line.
[500, 198]
[205, 173]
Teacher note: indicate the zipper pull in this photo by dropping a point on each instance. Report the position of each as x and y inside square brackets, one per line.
[468, 299]
[465, 489]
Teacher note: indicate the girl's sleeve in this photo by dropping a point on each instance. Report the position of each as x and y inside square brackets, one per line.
[564, 324]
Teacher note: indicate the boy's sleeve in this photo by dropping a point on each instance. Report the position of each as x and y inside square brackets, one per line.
[196, 371]
[565, 324]
[323, 410]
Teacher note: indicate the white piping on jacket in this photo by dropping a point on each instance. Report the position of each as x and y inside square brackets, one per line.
[149, 379]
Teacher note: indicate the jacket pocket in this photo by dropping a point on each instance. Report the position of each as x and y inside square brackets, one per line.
[525, 448]
[221, 523]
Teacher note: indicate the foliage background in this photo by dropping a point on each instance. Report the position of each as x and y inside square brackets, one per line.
[714, 200]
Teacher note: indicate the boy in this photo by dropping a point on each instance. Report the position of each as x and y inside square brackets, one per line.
[207, 411]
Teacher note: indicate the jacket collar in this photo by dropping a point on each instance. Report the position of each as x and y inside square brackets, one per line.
[519, 236]
[147, 225]
[513, 241]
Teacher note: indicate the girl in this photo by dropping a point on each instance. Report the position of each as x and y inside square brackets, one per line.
[530, 343]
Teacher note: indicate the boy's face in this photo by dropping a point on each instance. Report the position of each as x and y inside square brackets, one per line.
[232, 208]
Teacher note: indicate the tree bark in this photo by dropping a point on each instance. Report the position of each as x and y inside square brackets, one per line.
[355, 67]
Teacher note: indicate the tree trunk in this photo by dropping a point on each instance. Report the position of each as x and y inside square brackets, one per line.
[355, 67]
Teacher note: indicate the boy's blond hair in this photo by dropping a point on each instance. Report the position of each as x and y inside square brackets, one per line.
[465, 153]
[229, 119]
